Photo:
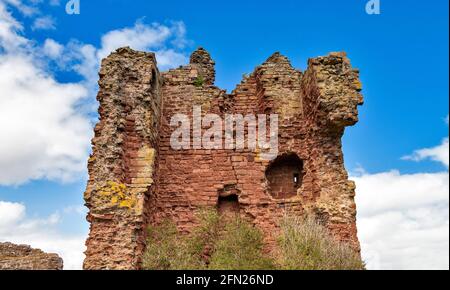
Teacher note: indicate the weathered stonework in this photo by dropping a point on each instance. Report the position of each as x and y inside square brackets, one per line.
[137, 179]
[21, 257]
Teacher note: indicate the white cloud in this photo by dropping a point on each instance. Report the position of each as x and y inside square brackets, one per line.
[400, 191]
[45, 136]
[167, 41]
[10, 213]
[10, 40]
[26, 9]
[46, 122]
[85, 58]
[52, 49]
[403, 219]
[155, 37]
[76, 209]
[169, 58]
[44, 23]
[42, 234]
[439, 153]
[138, 37]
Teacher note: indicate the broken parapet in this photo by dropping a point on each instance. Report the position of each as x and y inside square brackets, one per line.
[22, 257]
[123, 161]
[137, 179]
[202, 60]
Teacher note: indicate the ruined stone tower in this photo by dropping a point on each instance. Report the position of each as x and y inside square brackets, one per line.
[137, 178]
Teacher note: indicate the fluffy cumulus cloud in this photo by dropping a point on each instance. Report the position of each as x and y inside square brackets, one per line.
[144, 37]
[45, 122]
[44, 135]
[43, 234]
[439, 153]
[52, 49]
[27, 8]
[9, 213]
[403, 219]
[167, 41]
[9, 31]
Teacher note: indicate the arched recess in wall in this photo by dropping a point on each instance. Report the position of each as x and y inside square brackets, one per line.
[285, 176]
[228, 200]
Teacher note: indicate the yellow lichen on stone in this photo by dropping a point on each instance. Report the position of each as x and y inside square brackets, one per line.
[104, 193]
[118, 195]
[128, 203]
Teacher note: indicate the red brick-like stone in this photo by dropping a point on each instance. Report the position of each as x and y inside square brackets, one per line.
[132, 149]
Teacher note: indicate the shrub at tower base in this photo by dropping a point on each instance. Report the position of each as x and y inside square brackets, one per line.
[231, 243]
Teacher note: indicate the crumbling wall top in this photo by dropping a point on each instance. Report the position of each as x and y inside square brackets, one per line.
[22, 257]
[203, 61]
[137, 177]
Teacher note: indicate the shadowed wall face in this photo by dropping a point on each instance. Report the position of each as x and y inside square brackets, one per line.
[285, 176]
[228, 204]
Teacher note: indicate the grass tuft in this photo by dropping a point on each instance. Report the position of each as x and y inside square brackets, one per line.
[230, 243]
[304, 244]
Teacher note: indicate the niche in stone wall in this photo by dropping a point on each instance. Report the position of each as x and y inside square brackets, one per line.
[154, 83]
[284, 176]
[228, 202]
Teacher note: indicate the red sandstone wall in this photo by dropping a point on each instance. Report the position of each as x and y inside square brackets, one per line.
[136, 177]
[122, 166]
[190, 179]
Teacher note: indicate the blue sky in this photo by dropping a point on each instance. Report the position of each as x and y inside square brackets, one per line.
[402, 54]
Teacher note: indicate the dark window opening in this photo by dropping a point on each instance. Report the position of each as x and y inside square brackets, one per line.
[284, 176]
[228, 204]
[296, 179]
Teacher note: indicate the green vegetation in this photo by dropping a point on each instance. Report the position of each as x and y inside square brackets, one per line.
[240, 247]
[224, 243]
[213, 246]
[199, 82]
[306, 245]
[166, 252]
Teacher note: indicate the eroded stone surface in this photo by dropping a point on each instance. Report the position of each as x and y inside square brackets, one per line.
[122, 165]
[136, 178]
[22, 257]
